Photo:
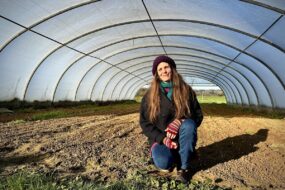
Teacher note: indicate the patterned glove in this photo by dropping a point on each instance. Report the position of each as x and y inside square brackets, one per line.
[169, 143]
[173, 127]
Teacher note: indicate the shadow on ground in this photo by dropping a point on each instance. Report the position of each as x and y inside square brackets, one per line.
[220, 152]
[228, 149]
[16, 160]
[19, 160]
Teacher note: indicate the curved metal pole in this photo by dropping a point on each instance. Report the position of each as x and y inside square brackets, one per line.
[224, 87]
[26, 29]
[203, 73]
[209, 68]
[244, 66]
[135, 90]
[44, 59]
[71, 48]
[249, 82]
[61, 45]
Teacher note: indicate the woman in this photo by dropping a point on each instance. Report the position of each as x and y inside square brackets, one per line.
[169, 117]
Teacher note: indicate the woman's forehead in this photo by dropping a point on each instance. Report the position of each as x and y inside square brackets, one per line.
[162, 64]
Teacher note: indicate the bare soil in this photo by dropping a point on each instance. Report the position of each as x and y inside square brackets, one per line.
[235, 149]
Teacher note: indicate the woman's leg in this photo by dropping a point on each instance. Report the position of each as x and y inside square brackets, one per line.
[187, 142]
[162, 156]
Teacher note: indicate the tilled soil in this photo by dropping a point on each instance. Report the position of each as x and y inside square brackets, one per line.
[242, 152]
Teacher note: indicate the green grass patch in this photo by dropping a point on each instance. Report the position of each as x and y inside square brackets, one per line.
[142, 180]
[138, 180]
[212, 99]
[26, 180]
[138, 98]
[32, 114]
[48, 115]
[18, 121]
[35, 181]
[212, 105]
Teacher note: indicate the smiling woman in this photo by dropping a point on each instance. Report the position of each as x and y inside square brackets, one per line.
[169, 117]
[164, 71]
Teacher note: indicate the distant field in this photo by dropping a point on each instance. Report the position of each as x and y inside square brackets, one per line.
[212, 99]
[202, 99]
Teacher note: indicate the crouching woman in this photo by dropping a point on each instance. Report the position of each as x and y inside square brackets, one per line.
[169, 117]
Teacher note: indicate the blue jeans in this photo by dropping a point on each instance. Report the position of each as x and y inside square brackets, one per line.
[165, 158]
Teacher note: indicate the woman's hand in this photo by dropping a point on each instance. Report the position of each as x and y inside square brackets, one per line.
[170, 135]
[172, 129]
[169, 143]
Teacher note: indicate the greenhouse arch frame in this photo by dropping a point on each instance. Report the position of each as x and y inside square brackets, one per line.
[91, 50]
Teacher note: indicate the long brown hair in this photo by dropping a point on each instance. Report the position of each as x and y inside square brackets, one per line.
[181, 94]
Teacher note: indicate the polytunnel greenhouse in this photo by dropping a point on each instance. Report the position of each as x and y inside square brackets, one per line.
[78, 50]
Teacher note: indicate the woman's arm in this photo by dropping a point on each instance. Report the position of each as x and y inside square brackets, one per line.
[148, 128]
[196, 111]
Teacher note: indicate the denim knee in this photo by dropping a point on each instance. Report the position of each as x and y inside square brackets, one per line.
[162, 157]
[188, 126]
[188, 130]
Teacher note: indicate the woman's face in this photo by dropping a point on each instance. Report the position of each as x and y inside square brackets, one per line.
[164, 71]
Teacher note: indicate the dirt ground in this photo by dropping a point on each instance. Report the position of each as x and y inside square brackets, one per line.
[234, 150]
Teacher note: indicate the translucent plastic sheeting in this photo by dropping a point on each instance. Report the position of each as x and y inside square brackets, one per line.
[86, 86]
[200, 84]
[128, 45]
[272, 57]
[277, 33]
[225, 81]
[103, 50]
[100, 84]
[201, 44]
[92, 17]
[18, 61]
[271, 82]
[247, 90]
[43, 82]
[120, 85]
[230, 96]
[276, 3]
[231, 13]
[67, 86]
[30, 12]
[7, 28]
[260, 96]
[105, 42]
[204, 30]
